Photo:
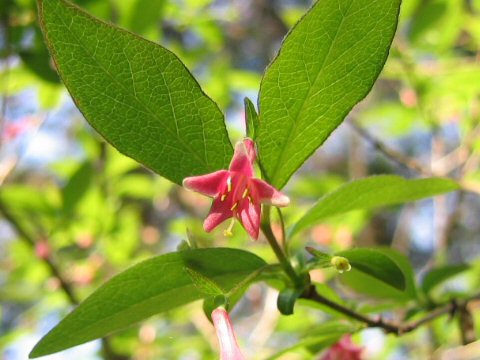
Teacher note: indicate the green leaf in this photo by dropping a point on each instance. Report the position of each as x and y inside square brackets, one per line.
[138, 95]
[376, 264]
[150, 287]
[373, 192]
[76, 187]
[407, 270]
[205, 285]
[251, 118]
[327, 63]
[438, 275]
[368, 285]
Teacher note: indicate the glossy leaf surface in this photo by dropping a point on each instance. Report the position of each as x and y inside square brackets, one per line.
[327, 63]
[148, 288]
[377, 264]
[138, 95]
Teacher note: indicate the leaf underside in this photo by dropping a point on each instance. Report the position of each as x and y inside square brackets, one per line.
[371, 192]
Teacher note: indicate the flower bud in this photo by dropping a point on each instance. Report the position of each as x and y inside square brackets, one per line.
[341, 264]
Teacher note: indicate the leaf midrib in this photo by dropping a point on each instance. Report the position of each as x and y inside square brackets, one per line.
[294, 124]
[149, 298]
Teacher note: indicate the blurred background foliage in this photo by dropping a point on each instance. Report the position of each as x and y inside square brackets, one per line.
[74, 212]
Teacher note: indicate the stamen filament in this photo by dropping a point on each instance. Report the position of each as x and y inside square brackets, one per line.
[228, 231]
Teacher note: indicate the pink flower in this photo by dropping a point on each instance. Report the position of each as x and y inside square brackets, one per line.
[229, 349]
[344, 349]
[236, 192]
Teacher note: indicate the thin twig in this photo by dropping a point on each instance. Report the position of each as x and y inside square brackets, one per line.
[312, 294]
[395, 156]
[390, 327]
[65, 286]
[47, 259]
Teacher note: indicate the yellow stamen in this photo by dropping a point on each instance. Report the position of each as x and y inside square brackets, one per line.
[250, 199]
[228, 232]
[245, 193]
[234, 206]
[224, 196]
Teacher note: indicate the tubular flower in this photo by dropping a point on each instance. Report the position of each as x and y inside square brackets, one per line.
[229, 349]
[236, 192]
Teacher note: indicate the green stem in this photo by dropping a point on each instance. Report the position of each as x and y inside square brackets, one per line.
[283, 239]
[272, 240]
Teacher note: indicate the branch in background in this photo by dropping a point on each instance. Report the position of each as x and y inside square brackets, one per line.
[395, 156]
[65, 286]
[452, 308]
[47, 259]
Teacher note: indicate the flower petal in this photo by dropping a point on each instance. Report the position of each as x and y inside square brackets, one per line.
[251, 149]
[343, 349]
[219, 212]
[208, 184]
[249, 216]
[267, 194]
[229, 349]
[243, 158]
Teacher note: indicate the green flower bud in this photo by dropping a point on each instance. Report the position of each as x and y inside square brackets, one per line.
[341, 264]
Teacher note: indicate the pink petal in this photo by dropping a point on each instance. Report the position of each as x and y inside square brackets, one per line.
[219, 212]
[249, 215]
[251, 149]
[208, 184]
[344, 349]
[242, 161]
[229, 349]
[267, 194]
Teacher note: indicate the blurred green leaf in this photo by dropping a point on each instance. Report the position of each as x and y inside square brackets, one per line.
[377, 264]
[438, 275]
[327, 64]
[318, 342]
[320, 337]
[76, 187]
[142, 16]
[148, 288]
[436, 24]
[138, 186]
[137, 94]
[373, 192]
